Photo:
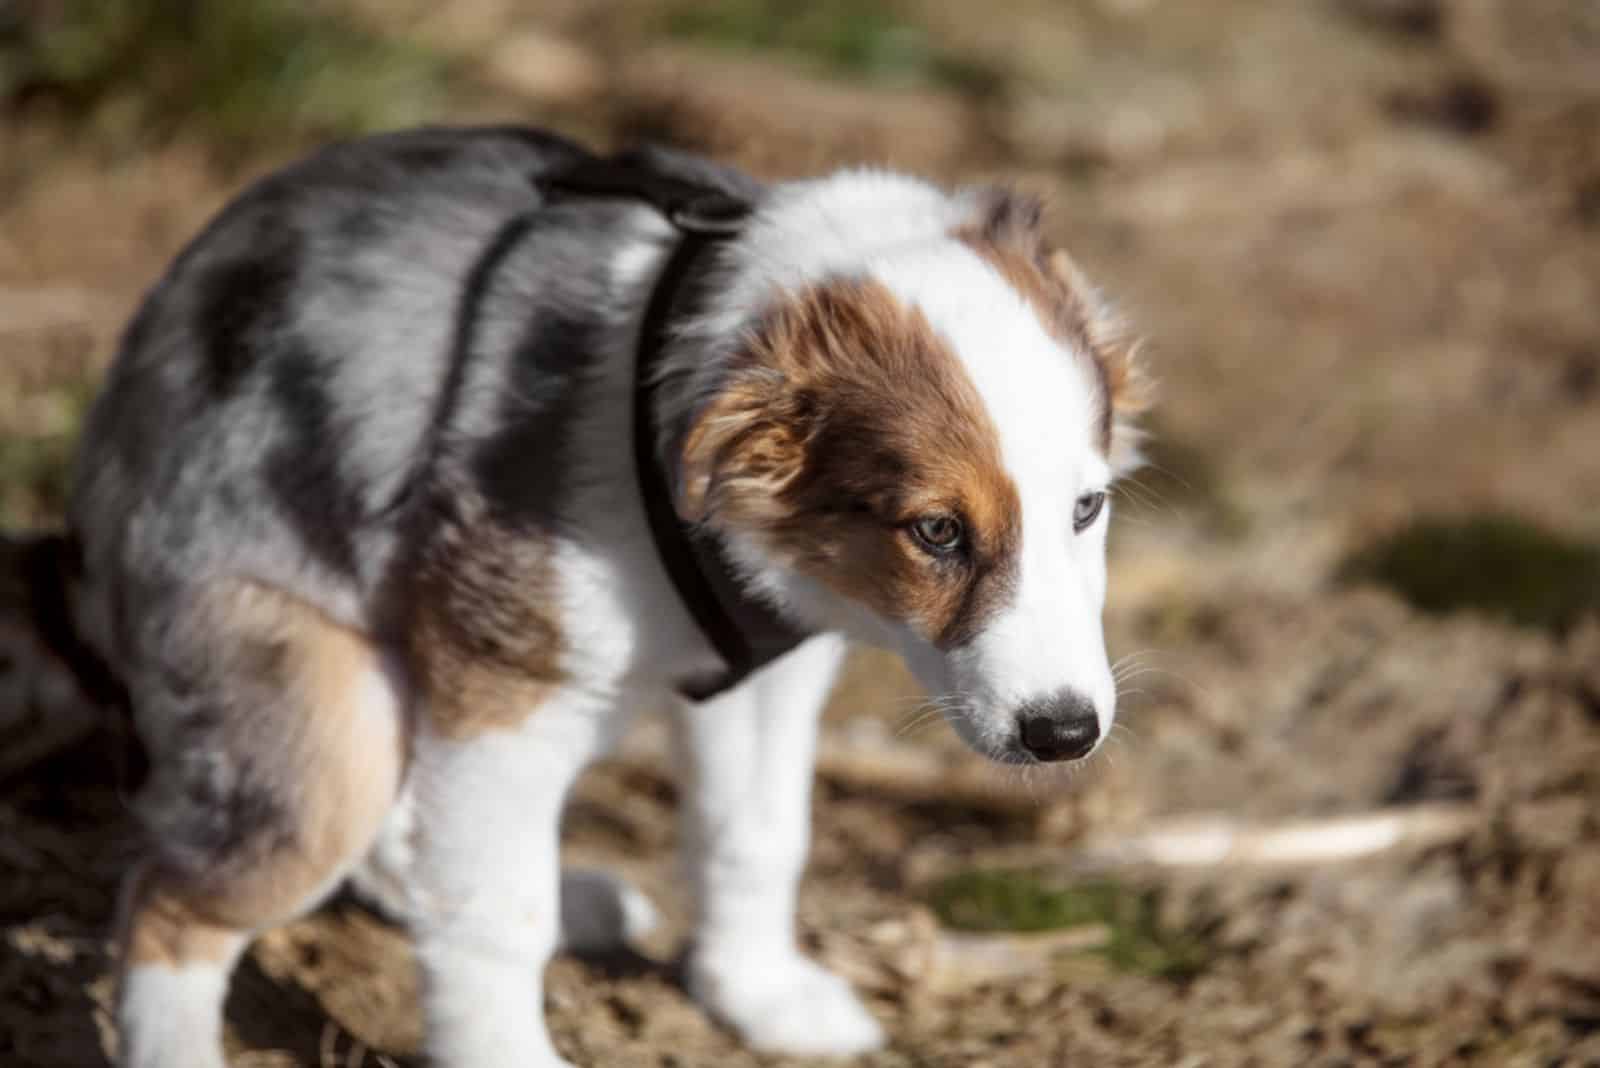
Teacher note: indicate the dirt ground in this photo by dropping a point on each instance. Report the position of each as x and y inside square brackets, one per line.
[1363, 237]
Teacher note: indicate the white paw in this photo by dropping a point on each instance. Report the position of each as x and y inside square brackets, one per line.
[601, 912]
[785, 1005]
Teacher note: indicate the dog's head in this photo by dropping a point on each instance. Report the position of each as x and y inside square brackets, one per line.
[914, 443]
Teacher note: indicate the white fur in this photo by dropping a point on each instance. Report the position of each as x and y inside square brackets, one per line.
[747, 821]
[172, 1017]
[485, 905]
[1042, 401]
[482, 869]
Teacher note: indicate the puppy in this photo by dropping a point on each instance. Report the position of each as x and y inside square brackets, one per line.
[438, 455]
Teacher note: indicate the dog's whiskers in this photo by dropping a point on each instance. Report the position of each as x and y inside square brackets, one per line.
[1136, 665]
[1136, 496]
[951, 706]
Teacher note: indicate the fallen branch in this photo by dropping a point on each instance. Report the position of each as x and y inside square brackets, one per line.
[914, 951]
[963, 960]
[1216, 841]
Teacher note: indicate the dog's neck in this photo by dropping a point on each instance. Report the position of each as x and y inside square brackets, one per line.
[747, 631]
[799, 234]
[731, 260]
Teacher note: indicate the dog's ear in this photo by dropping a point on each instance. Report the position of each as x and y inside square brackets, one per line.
[744, 448]
[1129, 389]
[1006, 219]
[751, 438]
[1006, 216]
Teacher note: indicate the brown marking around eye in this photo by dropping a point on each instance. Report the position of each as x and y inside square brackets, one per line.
[847, 419]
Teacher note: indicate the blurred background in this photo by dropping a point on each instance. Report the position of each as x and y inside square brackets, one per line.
[1353, 814]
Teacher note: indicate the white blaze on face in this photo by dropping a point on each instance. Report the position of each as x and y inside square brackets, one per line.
[1046, 640]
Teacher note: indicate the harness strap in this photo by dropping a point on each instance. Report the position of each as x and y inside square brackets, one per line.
[744, 630]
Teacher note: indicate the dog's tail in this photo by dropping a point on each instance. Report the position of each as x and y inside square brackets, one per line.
[54, 686]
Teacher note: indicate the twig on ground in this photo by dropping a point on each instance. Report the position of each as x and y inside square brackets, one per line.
[1213, 841]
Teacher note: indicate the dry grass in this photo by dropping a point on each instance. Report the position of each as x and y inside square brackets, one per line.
[245, 74]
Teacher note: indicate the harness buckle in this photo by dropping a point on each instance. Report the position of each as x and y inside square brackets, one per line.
[711, 213]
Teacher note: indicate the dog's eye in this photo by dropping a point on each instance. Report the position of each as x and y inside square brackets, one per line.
[1087, 510]
[939, 534]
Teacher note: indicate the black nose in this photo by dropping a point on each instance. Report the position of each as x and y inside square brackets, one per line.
[1059, 728]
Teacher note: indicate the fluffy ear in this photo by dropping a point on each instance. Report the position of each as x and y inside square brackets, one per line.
[1126, 454]
[1006, 216]
[1129, 390]
[743, 449]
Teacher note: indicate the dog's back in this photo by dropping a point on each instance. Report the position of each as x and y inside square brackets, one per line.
[278, 387]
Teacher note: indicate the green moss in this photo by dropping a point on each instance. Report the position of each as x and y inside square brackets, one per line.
[35, 470]
[1016, 901]
[863, 40]
[1028, 902]
[1497, 565]
[248, 71]
[33, 479]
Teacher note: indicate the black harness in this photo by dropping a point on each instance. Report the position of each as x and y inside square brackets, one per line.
[745, 631]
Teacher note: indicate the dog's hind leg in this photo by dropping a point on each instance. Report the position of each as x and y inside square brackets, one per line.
[749, 758]
[175, 965]
[276, 738]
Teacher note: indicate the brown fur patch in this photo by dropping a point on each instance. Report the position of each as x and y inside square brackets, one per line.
[1006, 233]
[848, 420]
[484, 638]
[330, 741]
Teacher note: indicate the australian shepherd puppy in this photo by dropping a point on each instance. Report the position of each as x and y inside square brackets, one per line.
[438, 455]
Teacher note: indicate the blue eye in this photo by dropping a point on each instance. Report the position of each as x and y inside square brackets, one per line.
[1087, 510]
[938, 534]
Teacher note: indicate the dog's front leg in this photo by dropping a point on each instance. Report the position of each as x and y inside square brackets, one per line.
[486, 872]
[748, 757]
